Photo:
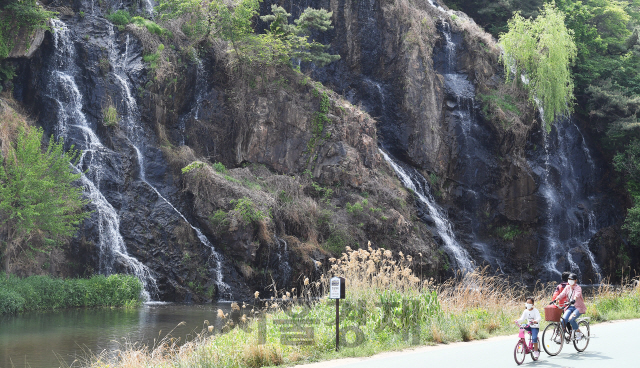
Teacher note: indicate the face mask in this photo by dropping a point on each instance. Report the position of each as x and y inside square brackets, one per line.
[572, 282]
[529, 306]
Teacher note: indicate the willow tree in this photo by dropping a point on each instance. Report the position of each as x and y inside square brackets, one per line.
[540, 52]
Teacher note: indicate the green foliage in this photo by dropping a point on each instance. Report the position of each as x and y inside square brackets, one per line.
[324, 193]
[219, 219]
[504, 102]
[357, 208]
[632, 223]
[628, 161]
[110, 116]
[233, 22]
[542, 50]
[320, 121]
[615, 306]
[248, 210]
[151, 26]
[400, 313]
[37, 192]
[337, 242]
[220, 168]
[46, 293]
[119, 17]
[154, 58]
[17, 14]
[293, 40]
[193, 166]
[508, 232]
[493, 15]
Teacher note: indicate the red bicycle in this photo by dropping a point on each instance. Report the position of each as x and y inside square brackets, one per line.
[522, 348]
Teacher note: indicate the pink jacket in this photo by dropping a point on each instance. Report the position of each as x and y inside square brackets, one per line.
[574, 293]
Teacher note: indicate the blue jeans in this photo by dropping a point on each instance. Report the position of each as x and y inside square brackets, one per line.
[534, 333]
[571, 314]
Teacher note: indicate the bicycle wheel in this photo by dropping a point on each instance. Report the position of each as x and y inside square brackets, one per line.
[582, 344]
[552, 339]
[519, 352]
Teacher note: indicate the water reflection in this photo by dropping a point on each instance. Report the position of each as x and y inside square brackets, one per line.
[40, 340]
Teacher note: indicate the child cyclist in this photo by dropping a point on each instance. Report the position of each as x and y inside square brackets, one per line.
[532, 316]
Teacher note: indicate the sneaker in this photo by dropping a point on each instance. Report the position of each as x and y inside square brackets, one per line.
[579, 336]
[536, 354]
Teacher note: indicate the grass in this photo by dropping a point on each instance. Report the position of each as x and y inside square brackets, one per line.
[110, 116]
[387, 308]
[46, 293]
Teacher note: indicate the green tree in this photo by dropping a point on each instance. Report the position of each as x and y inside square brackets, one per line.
[37, 194]
[233, 22]
[542, 51]
[632, 223]
[15, 14]
[295, 38]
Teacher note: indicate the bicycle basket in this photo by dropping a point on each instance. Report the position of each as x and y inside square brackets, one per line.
[552, 313]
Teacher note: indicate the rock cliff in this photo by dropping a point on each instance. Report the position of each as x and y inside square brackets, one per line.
[219, 181]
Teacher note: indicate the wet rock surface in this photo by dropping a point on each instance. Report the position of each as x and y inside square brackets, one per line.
[417, 76]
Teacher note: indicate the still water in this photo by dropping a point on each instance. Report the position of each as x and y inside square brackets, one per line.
[57, 339]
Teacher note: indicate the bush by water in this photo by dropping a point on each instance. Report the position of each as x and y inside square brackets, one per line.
[45, 293]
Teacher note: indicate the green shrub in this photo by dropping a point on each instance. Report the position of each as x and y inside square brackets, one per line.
[219, 219]
[110, 116]
[10, 302]
[336, 243]
[45, 293]
[508, 232]
[192, 166]
[151, 26]
[248, 211]
[120, 17]
[358, 207]
[219, 167]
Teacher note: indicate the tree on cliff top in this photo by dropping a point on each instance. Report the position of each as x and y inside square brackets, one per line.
[37, 195]
[232, 21]
[542, 51]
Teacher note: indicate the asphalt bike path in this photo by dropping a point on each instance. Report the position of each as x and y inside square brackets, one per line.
[613, 344]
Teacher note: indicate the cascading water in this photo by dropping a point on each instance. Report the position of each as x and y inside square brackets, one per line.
[474, 166]
[73, 126]
[123, 62]
[149, 7]
[282, 265]
[568, 179]
[411, 179]
[200, 93]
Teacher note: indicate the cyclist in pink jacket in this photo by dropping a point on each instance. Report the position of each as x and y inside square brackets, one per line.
[573, 294]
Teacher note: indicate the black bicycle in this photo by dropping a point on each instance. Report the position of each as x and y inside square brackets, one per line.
[555, 336]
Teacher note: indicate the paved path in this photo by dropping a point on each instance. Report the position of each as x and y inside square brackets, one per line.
[615, 344]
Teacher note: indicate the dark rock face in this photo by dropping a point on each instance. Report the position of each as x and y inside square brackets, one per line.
[417, 74]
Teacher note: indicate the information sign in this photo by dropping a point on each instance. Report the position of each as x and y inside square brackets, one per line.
[336, 288]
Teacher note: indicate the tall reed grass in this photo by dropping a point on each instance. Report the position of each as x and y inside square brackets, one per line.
[387, 308]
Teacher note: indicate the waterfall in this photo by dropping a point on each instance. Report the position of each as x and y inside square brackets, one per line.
[567, 177]
[149, 7]
[283, 266]
[200, 93]
[135, 133]
[73, 122]
[412, 180]
[475, 163]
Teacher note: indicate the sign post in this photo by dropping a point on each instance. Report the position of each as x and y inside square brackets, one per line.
[337, 291]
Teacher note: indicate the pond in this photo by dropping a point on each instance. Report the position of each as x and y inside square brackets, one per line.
[55, 339]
